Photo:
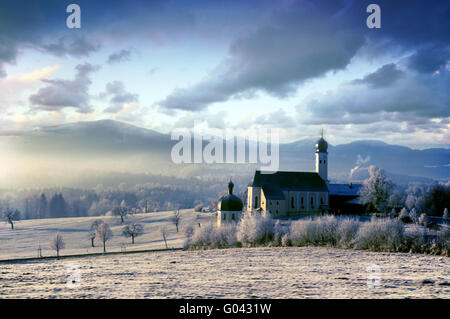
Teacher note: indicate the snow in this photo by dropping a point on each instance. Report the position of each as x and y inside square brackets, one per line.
[24, 240]
[278, 272]
[289, 272]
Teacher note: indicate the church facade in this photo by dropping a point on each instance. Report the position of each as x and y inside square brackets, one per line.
[286, 194]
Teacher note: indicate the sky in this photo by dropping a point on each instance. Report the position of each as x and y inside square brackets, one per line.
[299, 66]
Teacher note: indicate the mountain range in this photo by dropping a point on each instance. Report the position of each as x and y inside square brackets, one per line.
[112, 146]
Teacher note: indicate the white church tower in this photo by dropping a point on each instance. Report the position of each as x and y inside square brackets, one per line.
[322, 158]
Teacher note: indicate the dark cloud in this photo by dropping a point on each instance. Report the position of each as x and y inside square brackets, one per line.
[76, 46]
[430, 59]
[413, 98]
[60, 93]
[42, 25]
[385, 76]
[118, 96]
[312, 38]
[292, 48]
[119, 56]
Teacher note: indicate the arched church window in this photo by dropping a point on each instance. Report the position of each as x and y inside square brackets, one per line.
[232, 216]
[224, 217]
[312, 202]
[292, 202]
[256, 201]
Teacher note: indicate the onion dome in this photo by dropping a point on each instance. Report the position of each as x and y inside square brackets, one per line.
[230, 202]
[321, 145]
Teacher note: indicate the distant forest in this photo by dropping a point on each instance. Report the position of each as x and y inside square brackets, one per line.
[161, 194]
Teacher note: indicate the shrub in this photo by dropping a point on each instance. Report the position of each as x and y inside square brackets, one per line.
[319, 231]
[346, 232]
[286, 240]
[416, 240]
[188, 231]
[255, 229]
[211, 236]
[422, 240]
[279, 232]
[380, 235]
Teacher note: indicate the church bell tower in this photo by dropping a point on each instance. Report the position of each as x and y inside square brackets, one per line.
[322, 158]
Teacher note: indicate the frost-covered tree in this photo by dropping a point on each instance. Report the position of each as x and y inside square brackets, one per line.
[397, 199]
[413, 215]
[121, 211]
[376, 189]
[445, 214]
[57, 243]
[10, 216]
[133, 230]
[93, 231]
[176, 218]
[410, 201]
[422, 219]
[104, 234]
[164, 232]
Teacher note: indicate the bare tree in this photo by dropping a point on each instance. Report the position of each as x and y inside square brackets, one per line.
[93, 231]
[104, 234]
[121, 211]
[176, 218]
[164, 232]
[133, 230]
[11, 216]
[57, 243]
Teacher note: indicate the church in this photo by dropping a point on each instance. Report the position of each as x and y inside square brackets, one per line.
[284, 194]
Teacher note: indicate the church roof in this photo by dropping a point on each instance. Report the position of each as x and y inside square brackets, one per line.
[274, 184]
[344, 189]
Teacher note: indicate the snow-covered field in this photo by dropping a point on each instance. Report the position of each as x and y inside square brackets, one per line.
[28, 235]
[306, 272]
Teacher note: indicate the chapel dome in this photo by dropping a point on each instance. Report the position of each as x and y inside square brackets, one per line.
[230, 202]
